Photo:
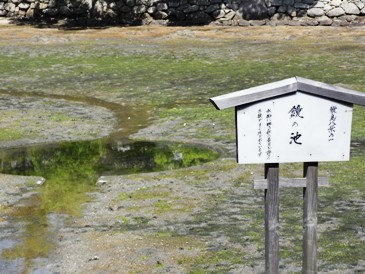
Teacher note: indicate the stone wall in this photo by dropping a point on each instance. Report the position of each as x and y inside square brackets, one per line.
[223, 12]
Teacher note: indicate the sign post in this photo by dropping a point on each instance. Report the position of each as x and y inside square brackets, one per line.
[310, 196]
[272, 219]
[293, 120]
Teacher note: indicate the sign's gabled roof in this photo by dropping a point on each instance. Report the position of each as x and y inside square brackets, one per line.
[287, 86]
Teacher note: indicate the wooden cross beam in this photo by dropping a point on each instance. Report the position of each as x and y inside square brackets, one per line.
[290, 182]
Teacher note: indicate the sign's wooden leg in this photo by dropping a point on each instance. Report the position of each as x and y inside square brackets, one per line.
[310, 196]
[272, 219]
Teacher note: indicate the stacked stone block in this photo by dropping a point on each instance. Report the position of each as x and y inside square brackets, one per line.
[223, 12]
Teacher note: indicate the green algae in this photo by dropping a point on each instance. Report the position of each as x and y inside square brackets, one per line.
[189, 74]
[71, 170]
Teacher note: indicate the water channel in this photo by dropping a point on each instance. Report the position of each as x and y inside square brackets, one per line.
[71, 170]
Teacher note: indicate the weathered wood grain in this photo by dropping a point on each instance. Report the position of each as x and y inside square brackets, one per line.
[310, 194]
[272, 219]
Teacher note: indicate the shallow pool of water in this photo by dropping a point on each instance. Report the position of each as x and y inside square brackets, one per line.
[71, 170]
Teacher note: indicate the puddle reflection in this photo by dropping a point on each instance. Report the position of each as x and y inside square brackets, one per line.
[71, 170]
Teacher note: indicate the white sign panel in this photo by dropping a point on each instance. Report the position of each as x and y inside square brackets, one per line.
[293, 128]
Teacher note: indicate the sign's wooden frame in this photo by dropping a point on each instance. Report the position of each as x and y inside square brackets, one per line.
[272, 182]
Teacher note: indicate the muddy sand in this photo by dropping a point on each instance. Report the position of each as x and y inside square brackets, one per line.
[163, 222]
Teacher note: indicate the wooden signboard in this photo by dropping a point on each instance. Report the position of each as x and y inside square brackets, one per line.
[293, 120]
[295, 128]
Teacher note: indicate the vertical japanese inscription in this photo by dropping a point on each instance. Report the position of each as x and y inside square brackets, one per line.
[259, 132]
[295, 113]
[295, 128]
[332, 123]
[268, 132]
